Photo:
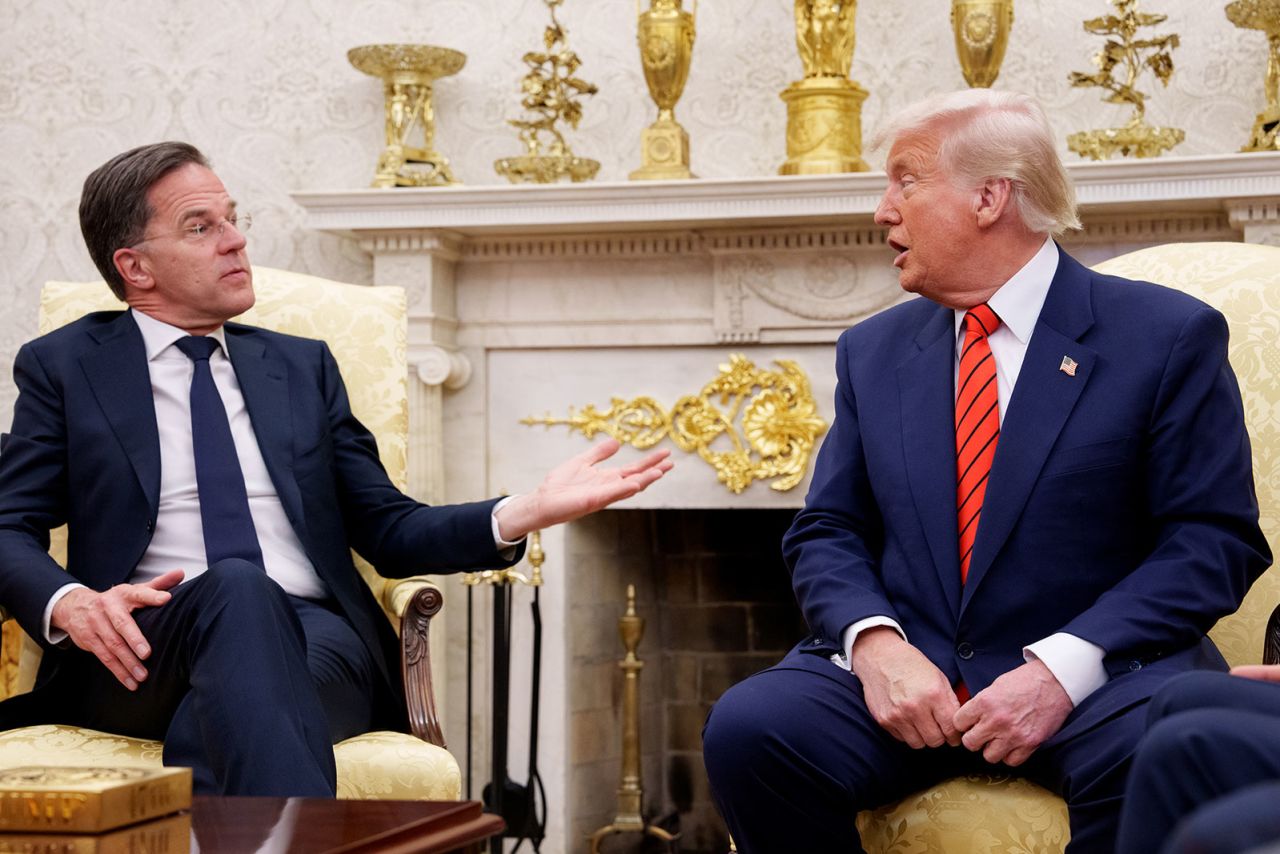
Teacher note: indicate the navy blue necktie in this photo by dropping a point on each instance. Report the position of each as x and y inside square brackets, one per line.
[224, 503]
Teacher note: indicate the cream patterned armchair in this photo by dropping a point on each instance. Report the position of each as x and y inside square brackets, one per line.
[366, 329]
[991, 813]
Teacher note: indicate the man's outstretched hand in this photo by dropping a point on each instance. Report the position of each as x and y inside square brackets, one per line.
[579, 486]
[102, 623]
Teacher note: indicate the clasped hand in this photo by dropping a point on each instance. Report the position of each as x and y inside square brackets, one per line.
[913, 701]
[103, 624]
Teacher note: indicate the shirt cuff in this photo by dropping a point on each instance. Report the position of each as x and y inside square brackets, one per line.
[1074, 662]
[506, 550]
[851, 633]
[52, 635]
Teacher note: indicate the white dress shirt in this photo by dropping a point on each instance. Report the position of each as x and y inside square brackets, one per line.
[178, 539]
[1073, 661]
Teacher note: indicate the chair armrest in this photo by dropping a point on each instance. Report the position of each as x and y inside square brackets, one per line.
[415, 663]
[1271, 639]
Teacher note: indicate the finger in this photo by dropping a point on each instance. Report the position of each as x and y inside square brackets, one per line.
[1018, 756]
[134, 596]
[1266, 672]
[648, 461]
[600, 451]
[172, 578]
[996, 751]
[966, 716]
[975, 739]
[945, 718]
[127, 630]
[103, 653]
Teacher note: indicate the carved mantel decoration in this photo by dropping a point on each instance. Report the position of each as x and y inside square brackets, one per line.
[779, 423]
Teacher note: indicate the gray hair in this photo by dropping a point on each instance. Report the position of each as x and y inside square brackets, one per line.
[114, 210]
[984, 134]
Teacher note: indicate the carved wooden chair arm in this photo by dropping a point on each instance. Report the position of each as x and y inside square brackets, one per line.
[1271, 642]
[415, 663]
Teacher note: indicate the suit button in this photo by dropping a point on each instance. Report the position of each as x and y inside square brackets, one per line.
[965, 650]
[1135, 666]
[150, 525]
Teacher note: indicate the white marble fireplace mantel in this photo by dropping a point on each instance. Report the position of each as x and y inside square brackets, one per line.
[527, 300]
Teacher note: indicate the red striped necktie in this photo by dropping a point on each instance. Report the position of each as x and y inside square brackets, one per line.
[977, 425]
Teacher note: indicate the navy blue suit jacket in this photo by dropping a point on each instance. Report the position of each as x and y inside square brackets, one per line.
[84, 450]
[1120, 506]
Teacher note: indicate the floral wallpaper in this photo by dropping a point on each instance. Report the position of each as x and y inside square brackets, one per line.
[264, 88]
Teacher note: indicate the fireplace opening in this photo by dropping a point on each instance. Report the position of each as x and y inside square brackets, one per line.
[717, 604]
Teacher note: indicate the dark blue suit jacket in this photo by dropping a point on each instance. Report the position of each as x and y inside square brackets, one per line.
[1120, 507]
[84, 450]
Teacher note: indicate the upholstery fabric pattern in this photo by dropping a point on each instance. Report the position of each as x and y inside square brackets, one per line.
[1001, 814]
[366, 330]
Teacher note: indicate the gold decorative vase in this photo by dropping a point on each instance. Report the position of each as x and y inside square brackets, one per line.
[665, 33]
[982, 34]
[408, 72]
[824, 110]
[1263, 15]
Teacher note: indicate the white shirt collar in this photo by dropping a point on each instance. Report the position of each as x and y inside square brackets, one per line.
[159, 336]
[1018, 301]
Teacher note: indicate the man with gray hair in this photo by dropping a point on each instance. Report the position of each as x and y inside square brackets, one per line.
[1035, 500]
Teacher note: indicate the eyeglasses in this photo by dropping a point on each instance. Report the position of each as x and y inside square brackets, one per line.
[201, 231]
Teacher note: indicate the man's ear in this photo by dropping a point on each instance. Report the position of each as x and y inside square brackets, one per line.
[994, 197]
[133, 268]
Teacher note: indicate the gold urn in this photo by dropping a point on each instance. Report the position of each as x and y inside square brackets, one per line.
[982, 34]
[665, 33]
[824, 110]
[1263, 15]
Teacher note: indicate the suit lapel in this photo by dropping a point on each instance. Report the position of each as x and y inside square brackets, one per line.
[1041, 403]
[264, 384]
[118, 375]
[927, 394]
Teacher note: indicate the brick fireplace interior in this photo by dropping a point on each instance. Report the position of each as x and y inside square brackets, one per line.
[717, 605]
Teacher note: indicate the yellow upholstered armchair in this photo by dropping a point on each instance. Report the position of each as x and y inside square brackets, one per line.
[366, 328]
[992, 813]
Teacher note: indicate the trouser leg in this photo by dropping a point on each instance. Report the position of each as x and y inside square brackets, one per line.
[228, 688]
[1211, 735]
[341, 667]
[793, 755]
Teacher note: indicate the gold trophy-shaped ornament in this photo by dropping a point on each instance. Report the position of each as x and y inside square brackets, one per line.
[824, 110]
[1263, 15]
[666, 34]
[408, 72]
[1126, 54]
[982, 34]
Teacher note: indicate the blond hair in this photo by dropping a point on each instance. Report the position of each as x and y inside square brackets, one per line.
[984, 134]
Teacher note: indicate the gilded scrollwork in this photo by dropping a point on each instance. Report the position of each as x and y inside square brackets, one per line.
[747, 423]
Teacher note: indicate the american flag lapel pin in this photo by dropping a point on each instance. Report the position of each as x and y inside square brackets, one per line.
[1068, 366]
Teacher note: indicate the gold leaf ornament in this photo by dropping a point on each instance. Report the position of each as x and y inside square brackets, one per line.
[780, 423]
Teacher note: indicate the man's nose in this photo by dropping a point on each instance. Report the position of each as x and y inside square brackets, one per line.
[886, 213]
[230, 238]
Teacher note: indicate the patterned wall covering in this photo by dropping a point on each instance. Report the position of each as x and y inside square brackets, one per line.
[263, 86]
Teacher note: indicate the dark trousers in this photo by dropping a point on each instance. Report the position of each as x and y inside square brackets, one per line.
[793, 755]
[1207, 775]
[246, 685]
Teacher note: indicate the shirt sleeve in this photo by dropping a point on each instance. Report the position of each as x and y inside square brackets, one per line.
[1074, 662]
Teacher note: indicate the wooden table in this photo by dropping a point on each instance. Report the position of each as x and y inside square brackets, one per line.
[322, 826]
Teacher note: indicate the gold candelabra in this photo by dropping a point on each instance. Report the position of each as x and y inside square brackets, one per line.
[494, 577]
[982, 35]
[824, 110]
[1130, 55]
[665, 33]
[1263, 15]
[408, 72]
[552, 93]
[631, 785]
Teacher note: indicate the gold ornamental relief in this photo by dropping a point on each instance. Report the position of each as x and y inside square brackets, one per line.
[748, 423]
